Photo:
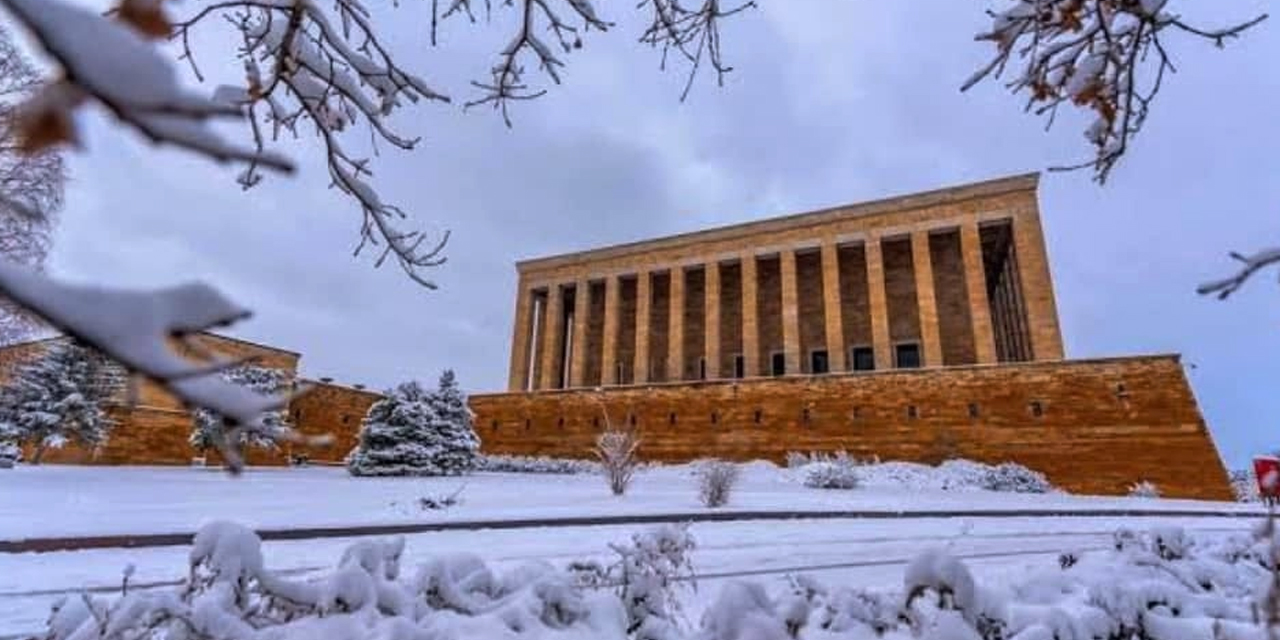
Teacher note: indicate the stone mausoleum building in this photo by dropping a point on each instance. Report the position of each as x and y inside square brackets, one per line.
[919, 327]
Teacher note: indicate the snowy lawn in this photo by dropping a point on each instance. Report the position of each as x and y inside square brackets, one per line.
[55, 500]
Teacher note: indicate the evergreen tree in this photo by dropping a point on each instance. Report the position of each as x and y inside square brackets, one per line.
[395, 437]
[460, 446]
[57, 398]
[206, 431]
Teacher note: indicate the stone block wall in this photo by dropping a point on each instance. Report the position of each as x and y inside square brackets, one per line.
[1093, 426]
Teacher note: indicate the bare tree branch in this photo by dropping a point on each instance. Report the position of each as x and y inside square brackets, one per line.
[1250, 265]
[1106, 56]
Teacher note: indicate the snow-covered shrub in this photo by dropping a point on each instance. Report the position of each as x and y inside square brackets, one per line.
[1010, 477]
[616, 450]
[57, 398]
[797, 459]
[537, 464]
[1244, 485]
[231, 595]
[645, 574]
[411, 432]
[715, 482]
[207, 431]
[10, 454]
[1144, 489]
[838, 472]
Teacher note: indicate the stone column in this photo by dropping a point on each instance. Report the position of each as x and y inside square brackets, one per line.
[578, 355]
[831, 305]
[1036, 285]
[926, 299]
[790, 312]
[711, 319]
[552, 330]
[675, 326]
[609, 350]
[879, 306]
[644, 300]
[750, 322]
[521, 339]
[984, 339]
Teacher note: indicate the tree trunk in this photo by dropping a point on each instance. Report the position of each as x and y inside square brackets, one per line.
[40, 449]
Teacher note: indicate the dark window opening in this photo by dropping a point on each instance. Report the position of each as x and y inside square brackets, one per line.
[560, 422]
[806, 415]
[973, 410]
[818, 362]
[346, 419]
[671, 419]
[714, 417]
[527, 424]
[857, 412]
[739, 367]
[631, 419]
[913, 412]
[1037, 408]
[907, 355]
[759, 416]
[864, 359]
[778, 364]
[595, 422]
[702, 368]
[493, 425]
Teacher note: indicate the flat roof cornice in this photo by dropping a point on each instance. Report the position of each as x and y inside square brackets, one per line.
[946, 195]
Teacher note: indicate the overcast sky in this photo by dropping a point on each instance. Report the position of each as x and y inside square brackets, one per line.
[832, 102]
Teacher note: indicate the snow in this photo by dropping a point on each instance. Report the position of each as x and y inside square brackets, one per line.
[78, 501]
[517, 581]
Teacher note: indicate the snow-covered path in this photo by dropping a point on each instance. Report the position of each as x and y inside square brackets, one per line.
[869, 553]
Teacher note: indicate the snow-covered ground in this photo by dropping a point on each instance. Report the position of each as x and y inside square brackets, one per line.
[866, 553]
[56, 500]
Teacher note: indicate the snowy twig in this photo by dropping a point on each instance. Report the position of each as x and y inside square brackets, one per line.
[1094, 54]
[1251, 265]
[138, 329]
[110, 63]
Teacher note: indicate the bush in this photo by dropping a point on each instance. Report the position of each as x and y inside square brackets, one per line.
[1244, 485]
[1010, 477]
[537, 464]
[1144, 489]
[715, 481]
[838, 472]
[10, 454]
[616, 450]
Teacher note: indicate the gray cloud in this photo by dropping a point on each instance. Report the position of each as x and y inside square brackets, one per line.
[830, 103]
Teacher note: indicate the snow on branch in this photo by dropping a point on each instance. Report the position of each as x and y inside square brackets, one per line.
[691, 33]
[1250, 265]
[138, 329]
[1106, 56]
[107, 62]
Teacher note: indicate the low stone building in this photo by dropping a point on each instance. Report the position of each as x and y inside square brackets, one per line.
[920, 327]
[152, 427]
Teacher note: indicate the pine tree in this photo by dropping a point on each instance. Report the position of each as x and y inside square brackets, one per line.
[57, 398]
[395, 436]
[206, 431]
[453, 430]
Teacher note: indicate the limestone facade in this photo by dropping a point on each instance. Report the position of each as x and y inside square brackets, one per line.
[951, 277]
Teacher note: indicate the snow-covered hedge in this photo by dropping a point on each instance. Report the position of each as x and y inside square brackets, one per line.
[1010, 477]
[952, 475]
[1158, 585]
[838, 472]
[537, 464]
